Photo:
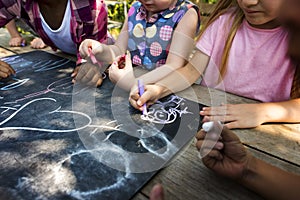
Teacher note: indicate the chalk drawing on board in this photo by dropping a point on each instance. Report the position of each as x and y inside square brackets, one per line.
[19, 64]
[6, 108]
[58, 173]
[53, 114]
[16, 83]
[61, 87]
[49, 65]
[166, 112]
[148, 147]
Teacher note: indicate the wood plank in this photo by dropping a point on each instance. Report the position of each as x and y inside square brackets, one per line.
[278, 139]
[188, 178]
[5, 52]
[140, 196]
[4, 42]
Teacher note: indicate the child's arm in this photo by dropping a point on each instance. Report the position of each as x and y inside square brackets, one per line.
[252, 115]
[106, 53]
[180, 49]
[16, 39]
[178, 80]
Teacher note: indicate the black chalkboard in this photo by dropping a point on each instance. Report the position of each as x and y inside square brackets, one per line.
[65, 141]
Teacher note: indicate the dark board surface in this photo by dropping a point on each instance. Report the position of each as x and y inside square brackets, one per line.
[65, 141]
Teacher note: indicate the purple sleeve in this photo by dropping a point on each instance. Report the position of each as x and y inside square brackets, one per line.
[9, 9]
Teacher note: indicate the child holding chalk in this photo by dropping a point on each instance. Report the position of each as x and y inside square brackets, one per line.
[62, 24]
[16, 40]
[248, 58]
[148, 33]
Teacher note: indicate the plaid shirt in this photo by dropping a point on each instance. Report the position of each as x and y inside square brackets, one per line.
[88, 19]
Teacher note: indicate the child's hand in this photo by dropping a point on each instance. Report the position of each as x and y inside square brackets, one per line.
[157, 193]
[17, 41]
[121, 68]
[5, 70]
[235, 116]
[88, 74]
[37, 43]
[228, 157]
[150, 96]
[121, 73]
[94, 45]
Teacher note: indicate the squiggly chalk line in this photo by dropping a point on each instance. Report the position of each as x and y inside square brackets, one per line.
[166, 112]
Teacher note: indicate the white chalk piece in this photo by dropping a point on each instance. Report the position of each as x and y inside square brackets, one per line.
[207, 126]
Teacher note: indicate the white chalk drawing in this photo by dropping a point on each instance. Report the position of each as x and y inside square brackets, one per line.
[62, 87]
[16, 83]
[49, 65]
[166, 112]
[6, 108]
[13, 60]
[145, 133]
[19, 63]
[58, 171]
[103, 153]
[57, 110]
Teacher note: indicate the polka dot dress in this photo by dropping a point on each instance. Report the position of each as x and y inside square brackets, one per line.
[150, 40]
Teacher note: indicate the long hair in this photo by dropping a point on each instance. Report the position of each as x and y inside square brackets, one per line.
[237, 18]
[295, 91]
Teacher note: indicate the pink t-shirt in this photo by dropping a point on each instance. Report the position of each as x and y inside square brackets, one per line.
[258, 65]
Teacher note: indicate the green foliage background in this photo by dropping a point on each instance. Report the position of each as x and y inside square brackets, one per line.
[116, 12]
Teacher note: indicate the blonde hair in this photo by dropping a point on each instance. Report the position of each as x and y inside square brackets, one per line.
[237, 18]
[237, 15]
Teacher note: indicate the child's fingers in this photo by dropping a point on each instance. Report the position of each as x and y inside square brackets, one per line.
[75, 72]
[128, 62]
[144, 98]
[114, 66]
[80, 73]
[99, 82]
[133, 98]
[200, 135]
[134, 104]
[112, 72]
[6, 68]
[209, 154]
[84, 46]
[87, 44]
[37, 43]
[95, 81]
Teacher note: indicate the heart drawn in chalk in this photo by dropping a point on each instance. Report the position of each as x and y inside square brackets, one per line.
[43, 114]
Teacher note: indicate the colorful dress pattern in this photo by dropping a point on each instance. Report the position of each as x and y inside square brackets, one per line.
[149, 41]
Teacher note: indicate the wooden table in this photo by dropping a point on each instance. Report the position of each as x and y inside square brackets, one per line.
[186, 177]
